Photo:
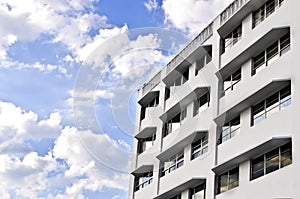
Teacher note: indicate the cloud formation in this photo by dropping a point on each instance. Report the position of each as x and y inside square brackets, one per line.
[192, 15]
[67, 170]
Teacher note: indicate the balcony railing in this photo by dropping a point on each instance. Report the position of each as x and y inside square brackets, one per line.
[231, 9]
[203, 36]
[152, 83]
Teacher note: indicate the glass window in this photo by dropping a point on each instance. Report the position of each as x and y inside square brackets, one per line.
[232, 38]
[257, 168]
[143, 180]
[172, 164]
[276, 102]
[198, 192]
[200, 147]
[146, 143]
[228, 180]
[202, 103]
[230, 129]
[264, 11]
[271, 161]
[176, 197]
[174, 123]
[230, 82]
[271, 53]
[285, 43]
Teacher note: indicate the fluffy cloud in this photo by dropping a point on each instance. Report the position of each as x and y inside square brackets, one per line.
[192, 15]
[78, 161]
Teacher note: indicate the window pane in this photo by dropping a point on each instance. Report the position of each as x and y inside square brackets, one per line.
[222, 183]
[270, 7]
[233, 178]
[272, 53]
[257, 168]
[286, 154]
[285, 44]
[258, 61]
[285, 97]
[258, 113]
[272, 104]
[272, 161]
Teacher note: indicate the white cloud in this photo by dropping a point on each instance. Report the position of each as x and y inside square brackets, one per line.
[151, 5]
[75, 164]
[192, 15]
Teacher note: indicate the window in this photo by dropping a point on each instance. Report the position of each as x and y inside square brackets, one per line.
[174, 123]
[228, 180]
[271, 161]
[176, 197]
[271, 53]
[184, 77]
[274, 103]
[198, 192]
[172, 164]
[232, 38]
[146, 143]
[230, 82]
[230, 129]
[203, 61]
[143, 180]
[201, 103]
[265, 10]
[200, 147]
[153, 103]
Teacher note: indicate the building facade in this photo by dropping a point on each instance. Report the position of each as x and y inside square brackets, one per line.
[221, 119]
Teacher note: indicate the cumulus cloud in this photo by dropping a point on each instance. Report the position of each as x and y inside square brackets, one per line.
[192, 15]
[68, 169]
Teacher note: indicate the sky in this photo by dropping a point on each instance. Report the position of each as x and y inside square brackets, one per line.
[69, 73]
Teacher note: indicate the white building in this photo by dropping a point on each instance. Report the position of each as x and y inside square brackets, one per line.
[221, 120]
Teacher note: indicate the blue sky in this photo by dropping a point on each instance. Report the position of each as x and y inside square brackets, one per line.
[69, 71]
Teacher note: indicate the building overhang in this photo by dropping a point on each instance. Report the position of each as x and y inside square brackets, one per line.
[185, 63]
[180, 188]
[142, 169]
[254, 49]
[233, 21]
[182, 103]
[256, 151]
[146, 132]
[180, 144]
[148, 97]
[251, 100]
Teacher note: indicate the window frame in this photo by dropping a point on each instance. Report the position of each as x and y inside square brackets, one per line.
[230, 128]
[200, 103]
[277, 152]
[228, 175]
[271, 53]
[263, 13]
[140, 183]
[172, 164]
[199, 147]
[265, 108]
[232, 38]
